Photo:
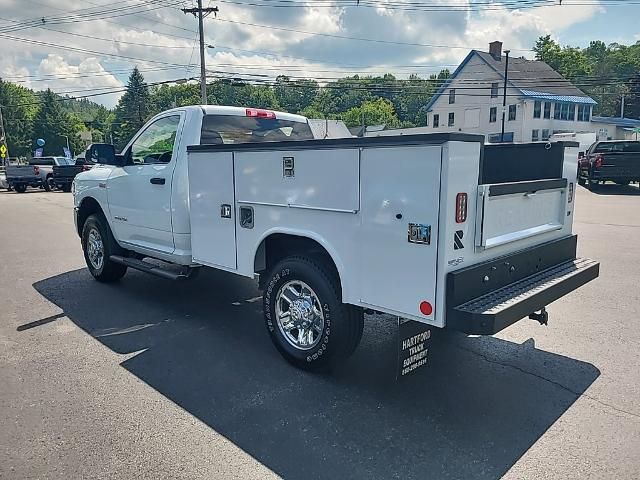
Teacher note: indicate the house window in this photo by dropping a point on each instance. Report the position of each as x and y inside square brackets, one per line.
[547, 109]
[436, 120]
[452, 96]
[584, 113]
[564, 111]
[512, 112]
[494, 90]
[535, 135]
[537, 107]
[493, 113]
[426, 120]
[545, 134]
[452, 118]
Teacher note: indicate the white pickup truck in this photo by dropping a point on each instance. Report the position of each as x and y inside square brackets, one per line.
[435, 228]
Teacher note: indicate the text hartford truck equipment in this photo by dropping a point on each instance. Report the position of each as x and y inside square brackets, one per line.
[438, 230]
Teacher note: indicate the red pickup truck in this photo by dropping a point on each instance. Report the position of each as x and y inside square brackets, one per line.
[613, 160]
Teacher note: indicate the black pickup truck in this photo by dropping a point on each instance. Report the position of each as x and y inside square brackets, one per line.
[616, 161]
[63, 175]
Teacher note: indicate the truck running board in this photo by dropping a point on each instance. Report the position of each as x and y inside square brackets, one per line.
[500, 308]
[183, 274]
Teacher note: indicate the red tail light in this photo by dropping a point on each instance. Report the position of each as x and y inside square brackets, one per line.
[260, 113]
[36, 170]
[461, 208]
[599, 161]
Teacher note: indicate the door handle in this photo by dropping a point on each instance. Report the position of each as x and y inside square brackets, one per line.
[157, 180]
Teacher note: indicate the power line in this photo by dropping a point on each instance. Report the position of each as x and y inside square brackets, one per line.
[360, 39]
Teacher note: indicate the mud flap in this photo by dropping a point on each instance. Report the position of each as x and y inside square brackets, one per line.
[414, 342]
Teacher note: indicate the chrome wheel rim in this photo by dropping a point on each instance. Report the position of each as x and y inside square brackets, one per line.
[299, 315]
[95, 249]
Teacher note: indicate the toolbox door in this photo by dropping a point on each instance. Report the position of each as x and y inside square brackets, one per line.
[400, 189]
[212, 200]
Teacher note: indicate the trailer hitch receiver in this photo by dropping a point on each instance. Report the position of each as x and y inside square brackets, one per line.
[542, 317]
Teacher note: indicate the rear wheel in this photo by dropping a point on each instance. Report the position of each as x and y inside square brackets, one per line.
[592, 184]
[306, 319]
[20, 188]
[98, 245]
[48, 184]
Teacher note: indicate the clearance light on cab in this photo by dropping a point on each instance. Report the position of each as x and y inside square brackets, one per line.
[260, 113]
[461, 207]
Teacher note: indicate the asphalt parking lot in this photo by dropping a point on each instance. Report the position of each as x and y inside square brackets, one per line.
[153, 379]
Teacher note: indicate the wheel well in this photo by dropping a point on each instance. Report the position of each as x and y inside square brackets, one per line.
[88, 206]
[280, 245]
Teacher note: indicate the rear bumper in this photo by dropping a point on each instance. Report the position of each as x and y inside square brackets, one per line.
[486, 298]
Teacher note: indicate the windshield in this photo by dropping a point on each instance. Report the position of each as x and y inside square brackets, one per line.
[621, 147]
[228, 129]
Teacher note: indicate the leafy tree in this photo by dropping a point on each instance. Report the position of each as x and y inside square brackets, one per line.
[18, 105]
[52, 124]
[373, 112]
[295, 96]
[133, 109]
[165, 96]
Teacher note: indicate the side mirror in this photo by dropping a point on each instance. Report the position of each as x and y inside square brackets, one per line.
[103, 153]
[580, 154]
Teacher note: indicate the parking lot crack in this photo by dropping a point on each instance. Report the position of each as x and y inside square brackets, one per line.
[553, 382]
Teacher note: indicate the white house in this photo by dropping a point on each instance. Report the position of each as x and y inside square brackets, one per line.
[540, 101]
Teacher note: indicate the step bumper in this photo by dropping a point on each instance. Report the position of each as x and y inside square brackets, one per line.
[495, 310]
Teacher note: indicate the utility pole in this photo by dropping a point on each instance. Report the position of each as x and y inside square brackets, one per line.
[622, 107]
[201, 13]
[504, 95]
[4, 152]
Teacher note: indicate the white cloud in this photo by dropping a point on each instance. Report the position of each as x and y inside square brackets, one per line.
[161, 39]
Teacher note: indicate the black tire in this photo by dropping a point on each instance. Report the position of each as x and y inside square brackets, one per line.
[592, 184]
[342, 324]
[581, 181]
[48, 184]
[623, 184]
[106, 270]
[66, 187]
[20, 188]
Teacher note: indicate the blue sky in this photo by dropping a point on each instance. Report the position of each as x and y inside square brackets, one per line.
[157, 37]
[617, 24]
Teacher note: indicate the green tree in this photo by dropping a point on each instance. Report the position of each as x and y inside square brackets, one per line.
[52, 124]
[295, 96]
[373, 112]
[132, 111]
[19, 106]
[549, 51]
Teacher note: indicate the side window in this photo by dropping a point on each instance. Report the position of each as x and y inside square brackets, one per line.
[155, 144]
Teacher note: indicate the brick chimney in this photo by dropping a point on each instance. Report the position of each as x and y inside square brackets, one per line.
[495, 49]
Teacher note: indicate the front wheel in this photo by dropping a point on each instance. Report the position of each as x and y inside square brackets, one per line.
[98, 245]
[306, 319]
[20, 188]
[48, 184]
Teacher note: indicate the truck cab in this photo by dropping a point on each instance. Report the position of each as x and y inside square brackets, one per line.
[146, 198]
